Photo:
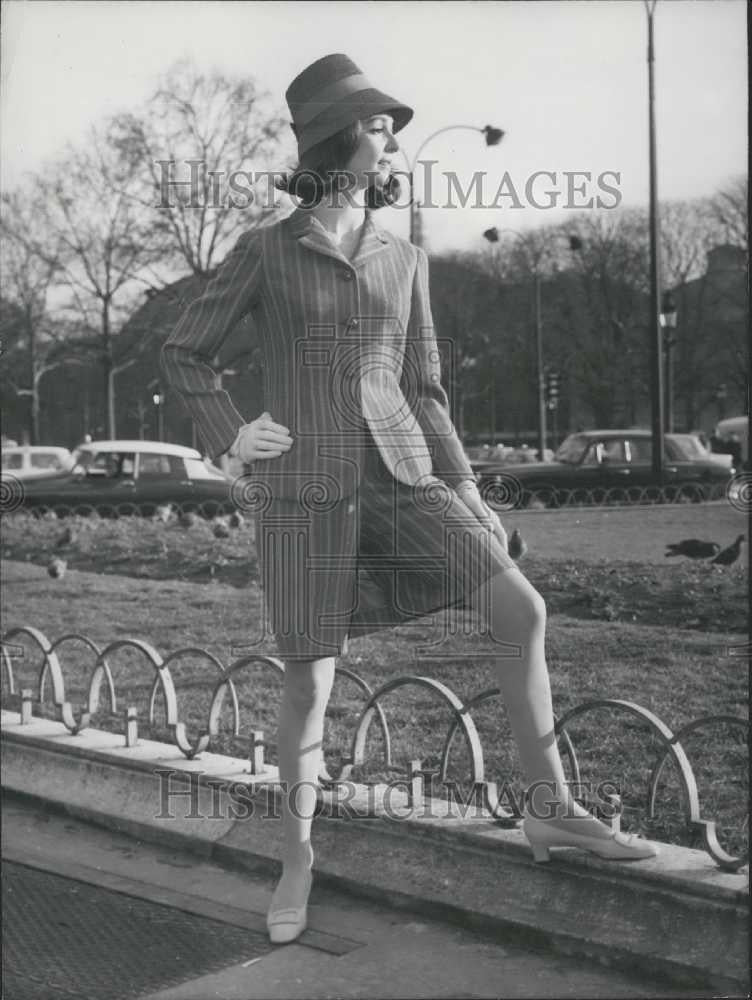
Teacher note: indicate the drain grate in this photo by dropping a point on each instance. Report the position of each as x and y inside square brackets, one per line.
[63, 939]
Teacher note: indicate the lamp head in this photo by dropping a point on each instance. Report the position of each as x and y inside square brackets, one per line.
[493, 135]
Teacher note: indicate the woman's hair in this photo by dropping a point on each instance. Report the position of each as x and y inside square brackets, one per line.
[322, 169]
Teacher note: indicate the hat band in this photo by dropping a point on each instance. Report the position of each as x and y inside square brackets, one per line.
[305, 113]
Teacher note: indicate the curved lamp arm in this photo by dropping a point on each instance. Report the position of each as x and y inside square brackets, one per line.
[447, 128]
[493, 138]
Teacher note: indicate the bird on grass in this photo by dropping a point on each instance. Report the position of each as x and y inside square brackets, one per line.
[163, 512]
[236, 519]
[56, 568]
[693, 548]
[67, 538]
[517, 545]
[729, 555]
[187, 519]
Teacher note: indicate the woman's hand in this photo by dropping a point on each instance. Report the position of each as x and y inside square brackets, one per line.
[469, 495]
[262, 438]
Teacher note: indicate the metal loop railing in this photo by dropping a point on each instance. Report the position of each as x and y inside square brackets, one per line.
[505, 492]
[460, 719]
[502, 491]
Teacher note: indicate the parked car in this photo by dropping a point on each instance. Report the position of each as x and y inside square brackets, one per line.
[694, 447]
[732, 436]
[132, 477]
[604, 466]
[27, 461]
[480, 456]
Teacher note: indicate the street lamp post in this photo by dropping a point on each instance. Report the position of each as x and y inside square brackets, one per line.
[720, 397]
[575, 244]
[654, 325]
[492, 235]
[157, 397]
[542, 425]
[493, 137]
[158, 401]
[668, 323]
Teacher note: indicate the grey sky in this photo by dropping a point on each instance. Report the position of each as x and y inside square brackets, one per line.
[567, 81]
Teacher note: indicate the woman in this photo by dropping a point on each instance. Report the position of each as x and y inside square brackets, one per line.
[367, 510]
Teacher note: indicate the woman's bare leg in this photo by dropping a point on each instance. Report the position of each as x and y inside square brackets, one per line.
[516, 614]
[307, 686]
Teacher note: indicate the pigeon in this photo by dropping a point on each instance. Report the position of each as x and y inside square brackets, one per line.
[67, 538]
[221, 530]
[236, 519]
[729, 555]
[56, 568]
[694, 548]
[187, 519]
[163, 512]
[517, 545]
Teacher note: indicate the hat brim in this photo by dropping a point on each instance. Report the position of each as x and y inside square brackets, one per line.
[355, 107]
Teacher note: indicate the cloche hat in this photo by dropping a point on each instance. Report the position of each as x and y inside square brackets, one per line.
[333, 93]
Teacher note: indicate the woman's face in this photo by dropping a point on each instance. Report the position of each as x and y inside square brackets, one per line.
[372, 160]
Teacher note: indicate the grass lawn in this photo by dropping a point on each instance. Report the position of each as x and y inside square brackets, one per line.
[624, 623]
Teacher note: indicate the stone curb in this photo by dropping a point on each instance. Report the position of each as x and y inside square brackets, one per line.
[679, 916]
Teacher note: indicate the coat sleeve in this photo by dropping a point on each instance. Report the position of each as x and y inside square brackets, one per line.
[188, 353]
[421, 383]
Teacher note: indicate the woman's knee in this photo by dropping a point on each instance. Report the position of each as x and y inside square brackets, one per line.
[518, 609]
[308, 683]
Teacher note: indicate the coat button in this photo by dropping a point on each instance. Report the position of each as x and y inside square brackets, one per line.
[347, 275]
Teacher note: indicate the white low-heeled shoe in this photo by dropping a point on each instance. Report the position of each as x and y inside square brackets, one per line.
[288, 923]
[618, 846]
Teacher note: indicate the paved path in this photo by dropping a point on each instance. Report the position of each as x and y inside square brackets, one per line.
[355, 948]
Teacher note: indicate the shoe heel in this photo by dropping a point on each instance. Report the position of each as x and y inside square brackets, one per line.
[540, 852]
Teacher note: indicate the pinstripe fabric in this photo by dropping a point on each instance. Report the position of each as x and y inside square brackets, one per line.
[387, 554]
[348, 346]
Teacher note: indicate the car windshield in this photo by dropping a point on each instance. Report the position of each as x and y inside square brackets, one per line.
[197, 468]
[83, 457]
[689, 445]
[571, 449]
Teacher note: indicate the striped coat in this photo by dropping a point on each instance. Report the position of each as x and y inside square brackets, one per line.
[346, 344]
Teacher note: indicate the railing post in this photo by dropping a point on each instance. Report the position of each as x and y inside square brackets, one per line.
[131, 726]
[258, 765]
[415, 784]
[26, 702]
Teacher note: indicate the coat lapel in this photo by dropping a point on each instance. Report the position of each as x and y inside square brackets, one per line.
[309, 232]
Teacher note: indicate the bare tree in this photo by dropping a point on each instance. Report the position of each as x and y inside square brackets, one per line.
[196, 148]
[729, 208]
[467, 326]
[103, 245]
[36, 333]
[590, 298]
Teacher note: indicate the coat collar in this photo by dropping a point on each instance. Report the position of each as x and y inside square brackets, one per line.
[306, 228]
